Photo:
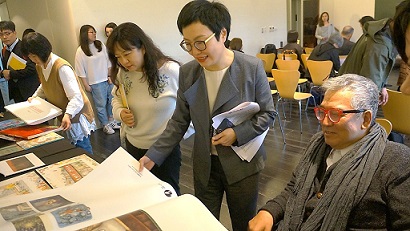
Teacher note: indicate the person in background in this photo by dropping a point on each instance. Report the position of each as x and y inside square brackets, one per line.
[109, 28]
[373, 55]
[350, 176]
[217, 80]
[61, 87]
[28, 30]
[150, 81]
[401, 39]
[347, 34]
[329, 51]
[292, 39]
[93, 68]
[365, 19]
[324, 29]
[236, 44]
[22, 83]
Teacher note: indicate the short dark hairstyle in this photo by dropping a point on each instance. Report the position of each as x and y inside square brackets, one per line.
[401, 23]
[28, 30]
[236, 44]
[365, 19]
[84, 43]
[110, 25]
[214, 15]
[292, 36]
[128, 36]
[7, 25]
[36, 44]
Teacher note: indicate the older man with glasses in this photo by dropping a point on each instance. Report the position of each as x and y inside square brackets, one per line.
[22, 81]
[350, 176]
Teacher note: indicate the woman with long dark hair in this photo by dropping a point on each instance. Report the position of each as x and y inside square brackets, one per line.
[324, 29]
[150, 82]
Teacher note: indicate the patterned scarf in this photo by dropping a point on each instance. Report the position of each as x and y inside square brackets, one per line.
[345, 188]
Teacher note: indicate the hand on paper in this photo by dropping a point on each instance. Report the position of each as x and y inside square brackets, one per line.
[66, 122]
[127, 117]
[263, 221]
[384, 96]
[30, 99]
[6, 74]
[146, 162]
[225, 138]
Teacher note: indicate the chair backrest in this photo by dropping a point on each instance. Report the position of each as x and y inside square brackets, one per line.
[319, 70]
[308, 50]
[385, 123]
[268, 59]
[342, 59]
[288, 56]
[304, 58]
[397, 111]
[288, 64]
[286, 82]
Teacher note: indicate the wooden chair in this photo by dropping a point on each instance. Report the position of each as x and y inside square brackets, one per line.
[397, 111]
[319, 72]
[385, 123]
[290, 65]
[288, 56]
[287, 82]
[268, 60]
[308, 50]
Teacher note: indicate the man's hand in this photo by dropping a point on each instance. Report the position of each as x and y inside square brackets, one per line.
[384, 96]
[225, 138]
[6, 74]
[146, 162]
[263, 221]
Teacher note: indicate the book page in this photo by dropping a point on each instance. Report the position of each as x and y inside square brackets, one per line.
[68, 171]
[20, 164]
[35, 112]
[114, 188]
[27, 183]
[45, 139]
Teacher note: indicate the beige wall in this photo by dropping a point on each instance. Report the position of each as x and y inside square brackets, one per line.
[60, 21]
[348, 12]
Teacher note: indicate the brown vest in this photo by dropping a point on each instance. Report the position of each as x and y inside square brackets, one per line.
[55, 94]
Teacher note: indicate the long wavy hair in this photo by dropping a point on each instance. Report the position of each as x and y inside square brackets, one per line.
[84, 42]
[321, 23]
[128, 36]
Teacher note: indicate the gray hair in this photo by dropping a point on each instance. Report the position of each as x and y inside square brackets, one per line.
[365, 92]
[347, 30]
[336, 38]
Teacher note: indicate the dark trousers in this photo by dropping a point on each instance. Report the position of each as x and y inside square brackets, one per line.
[169, 169]
[241, 196]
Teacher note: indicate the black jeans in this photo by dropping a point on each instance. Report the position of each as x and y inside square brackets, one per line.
[169, 169]
[241, 196]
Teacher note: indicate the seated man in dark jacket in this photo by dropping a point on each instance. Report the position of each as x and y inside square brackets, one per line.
[329, 51]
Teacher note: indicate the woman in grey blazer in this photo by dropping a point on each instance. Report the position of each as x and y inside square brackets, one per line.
[216, 81]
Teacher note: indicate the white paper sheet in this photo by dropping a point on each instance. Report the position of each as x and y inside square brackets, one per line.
[237, 115]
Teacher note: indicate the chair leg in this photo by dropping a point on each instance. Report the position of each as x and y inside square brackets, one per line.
[300, 115]
[281, 127]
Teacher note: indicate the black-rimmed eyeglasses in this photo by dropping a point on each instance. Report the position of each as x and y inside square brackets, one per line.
[333, 114]
[199, 45]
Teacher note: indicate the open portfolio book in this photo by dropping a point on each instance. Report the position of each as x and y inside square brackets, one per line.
[114, 196]
[35, 112]
[235, 116]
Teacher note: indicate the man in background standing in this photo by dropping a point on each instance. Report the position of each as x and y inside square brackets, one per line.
[23, 82]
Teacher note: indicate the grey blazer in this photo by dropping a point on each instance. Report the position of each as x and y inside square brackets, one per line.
[244, 81]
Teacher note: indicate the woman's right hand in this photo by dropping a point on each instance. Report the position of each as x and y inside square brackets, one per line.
[127, 117]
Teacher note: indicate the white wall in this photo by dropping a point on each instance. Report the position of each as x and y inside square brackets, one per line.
[60, 21]
[348, 12]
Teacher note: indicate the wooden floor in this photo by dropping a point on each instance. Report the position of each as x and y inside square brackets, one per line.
[282, 158]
